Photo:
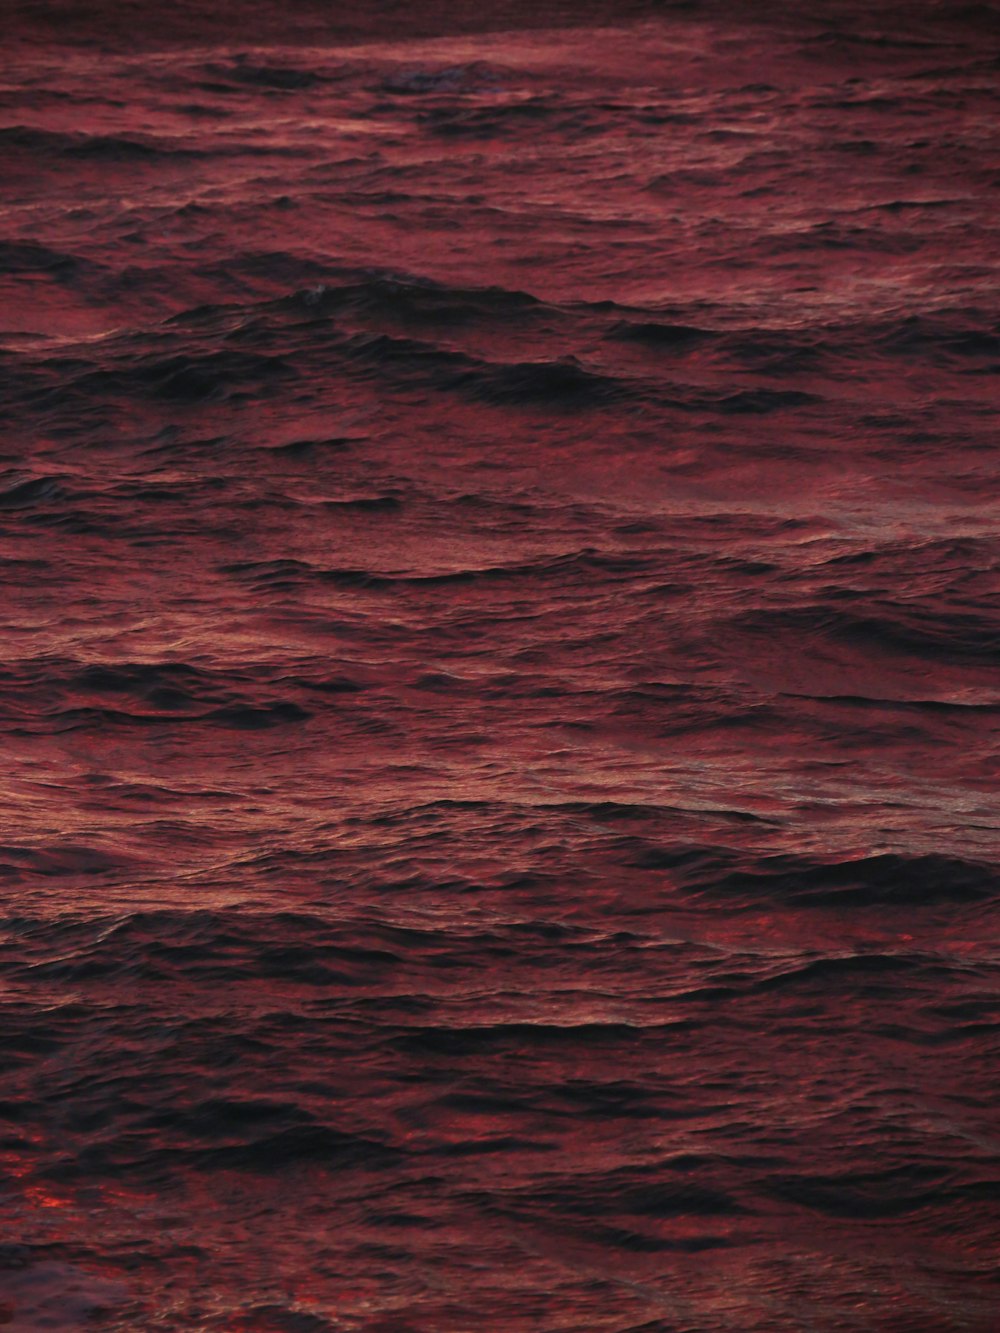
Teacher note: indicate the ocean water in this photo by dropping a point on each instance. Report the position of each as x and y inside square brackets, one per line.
[501, 675]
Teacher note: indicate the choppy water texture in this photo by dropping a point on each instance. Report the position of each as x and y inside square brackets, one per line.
[500, 677]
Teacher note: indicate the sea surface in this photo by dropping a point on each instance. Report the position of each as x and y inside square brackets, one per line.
[500, 675]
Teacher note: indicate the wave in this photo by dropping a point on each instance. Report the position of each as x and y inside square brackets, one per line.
[383, 294]
[243, 73]
[913, 629]
[30, 257]
[868, 881]
[100, 148]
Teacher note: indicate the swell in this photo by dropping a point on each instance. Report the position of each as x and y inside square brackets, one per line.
[224, 353]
